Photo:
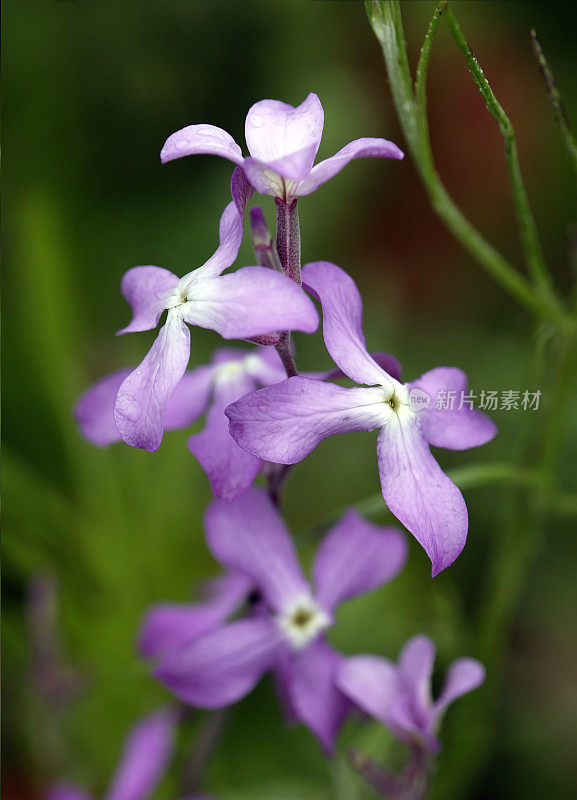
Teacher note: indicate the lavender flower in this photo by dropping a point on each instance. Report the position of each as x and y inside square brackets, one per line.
[285, 422]
[249, 302]
[399, 696]
[283, 142]
[287, 632]
[147, 752]
[208, 388]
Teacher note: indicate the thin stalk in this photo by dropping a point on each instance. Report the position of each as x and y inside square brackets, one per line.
[526, 223]
[288, 238]
[556, 101]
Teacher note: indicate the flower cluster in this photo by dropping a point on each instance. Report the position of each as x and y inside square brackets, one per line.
[262, 614]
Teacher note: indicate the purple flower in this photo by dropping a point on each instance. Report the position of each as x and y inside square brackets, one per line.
[209, 388]
[169, 626]
[285, 422]
[287, 632]
[147, 752]
[249, 302]
[283, 142]
[399, 696]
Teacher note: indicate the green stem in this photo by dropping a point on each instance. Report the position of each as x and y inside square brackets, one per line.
[525, 220]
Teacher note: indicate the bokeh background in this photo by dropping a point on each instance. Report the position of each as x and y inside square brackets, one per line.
[93, 537]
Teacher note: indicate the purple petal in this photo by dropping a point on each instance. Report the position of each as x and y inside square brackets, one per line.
[145, 758]
[342, 321]
[419, 493]
[389, 363]
[455, 428]
[285, 422]
[464, 675]
[201, 139]
[355, 557]
[94, 411]
[222, 666]
[279, 177]
[66, 791]
[249, 536]
[370, 682]
[241, 190]
[190, 398]
[249, 302]
[359, 148]
[275, 130]
[169, 626]
[314, 694]
[230, 237]
[416, 670]
[146, 289]
[143, 397]
[230, 469]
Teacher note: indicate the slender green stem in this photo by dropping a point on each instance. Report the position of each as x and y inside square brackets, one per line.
[556, 101]
[525, 220]
[386, 21]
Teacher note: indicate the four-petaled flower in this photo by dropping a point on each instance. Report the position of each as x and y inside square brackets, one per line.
[147, 752]
[285, 422]
[287, 632]
[399, 696]
[249, 302]
[208, 388]
[283, 142]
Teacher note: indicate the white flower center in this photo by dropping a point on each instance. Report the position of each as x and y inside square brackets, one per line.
[302, 622]
[397, 401]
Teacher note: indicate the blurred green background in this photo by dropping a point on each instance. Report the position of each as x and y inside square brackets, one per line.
[92, 89]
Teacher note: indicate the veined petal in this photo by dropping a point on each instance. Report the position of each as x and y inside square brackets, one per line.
[145, 758]
[143, 397]
[342, 321]
[146, 289]
[241, 190]
[230, 236]
[359, 148]
[274, 130]
[314, 695]
[464, 675]
[370, 682]
[419, 493]
[190, 398]
[230, 469]
[453, 427]
[249, 536]
[222, 666]
[94, 411]
[201, 139]
[355, 557]
[168, 626]
[285, 422]
[249, 302]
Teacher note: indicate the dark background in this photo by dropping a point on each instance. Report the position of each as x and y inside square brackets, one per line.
[92, 89]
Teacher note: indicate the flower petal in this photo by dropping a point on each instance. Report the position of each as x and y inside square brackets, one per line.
[416, 670]
[190, 398]
[169, 626]
[455, 428]
[370, 682]
[464, 675]
[355, 557]
[285, 422]
[359, 148]
[249, 302]
[274, 130]
[201, 139]
[419, 493]
[222, 666]
[146, 289]
[230, 237]
[279, 177]
[315, 697]
[94, 410]
[145, 758]
[230, 469]
[342, 321]
[143, 397]
[248, 535]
